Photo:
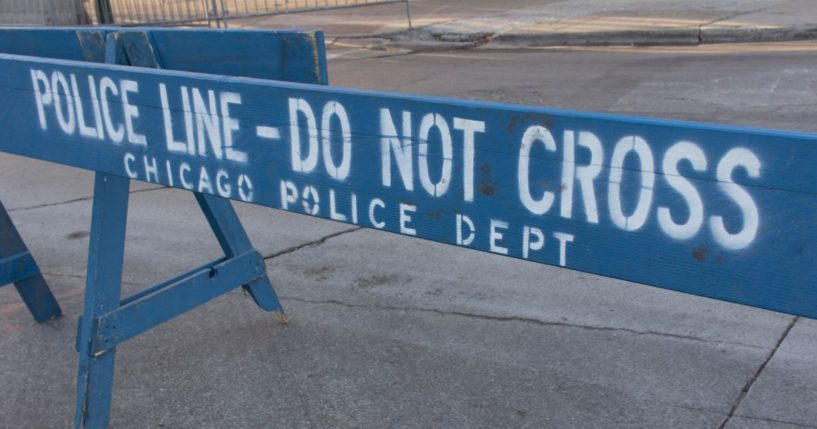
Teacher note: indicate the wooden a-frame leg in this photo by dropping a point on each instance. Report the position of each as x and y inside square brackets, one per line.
[134, 48]
[24, 273]
[234, 241]
[95, 341]
[102, 293]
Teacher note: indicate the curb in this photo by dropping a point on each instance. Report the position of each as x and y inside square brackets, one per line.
[680, 37]
[738, 35]
[425, 39]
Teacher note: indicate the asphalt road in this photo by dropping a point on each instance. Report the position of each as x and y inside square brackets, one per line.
[389, 331]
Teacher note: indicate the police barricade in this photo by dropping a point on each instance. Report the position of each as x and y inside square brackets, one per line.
[718, 211]
[290, 55]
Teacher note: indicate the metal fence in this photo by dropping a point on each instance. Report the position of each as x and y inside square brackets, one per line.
[219, 12]
[164, 12]
[45, 12]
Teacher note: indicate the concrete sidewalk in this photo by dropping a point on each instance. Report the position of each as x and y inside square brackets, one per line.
[459, 23]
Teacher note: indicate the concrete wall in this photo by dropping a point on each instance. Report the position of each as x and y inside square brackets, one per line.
[42, 12]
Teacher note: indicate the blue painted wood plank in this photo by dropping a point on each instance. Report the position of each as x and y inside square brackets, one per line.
[28, 281]
[158, 287]
[17, 267]
[67, 43]
[686, 206]
[184, 294]
[102, 292]
[289, 55]
[292, 56]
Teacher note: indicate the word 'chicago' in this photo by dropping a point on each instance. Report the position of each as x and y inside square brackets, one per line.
[417, 154]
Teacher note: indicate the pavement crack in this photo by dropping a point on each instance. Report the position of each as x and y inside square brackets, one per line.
[76, 200]
[785, 422]
[519, 319]
[83, 278]
[748, 386]
[311, 244]
[748, 12]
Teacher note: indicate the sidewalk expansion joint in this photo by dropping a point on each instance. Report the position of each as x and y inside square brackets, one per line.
[377, 57]
[748, 386]
[312, 244]
[77, 200]
[520, 319]
[83, 277]
[783, 422]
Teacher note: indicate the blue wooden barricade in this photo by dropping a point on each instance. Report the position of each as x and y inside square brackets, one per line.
[718, 211]
[293, 56]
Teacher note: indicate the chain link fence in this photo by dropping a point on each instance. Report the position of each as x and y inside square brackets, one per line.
[45, 12]
[164, 12]
[170, 12]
